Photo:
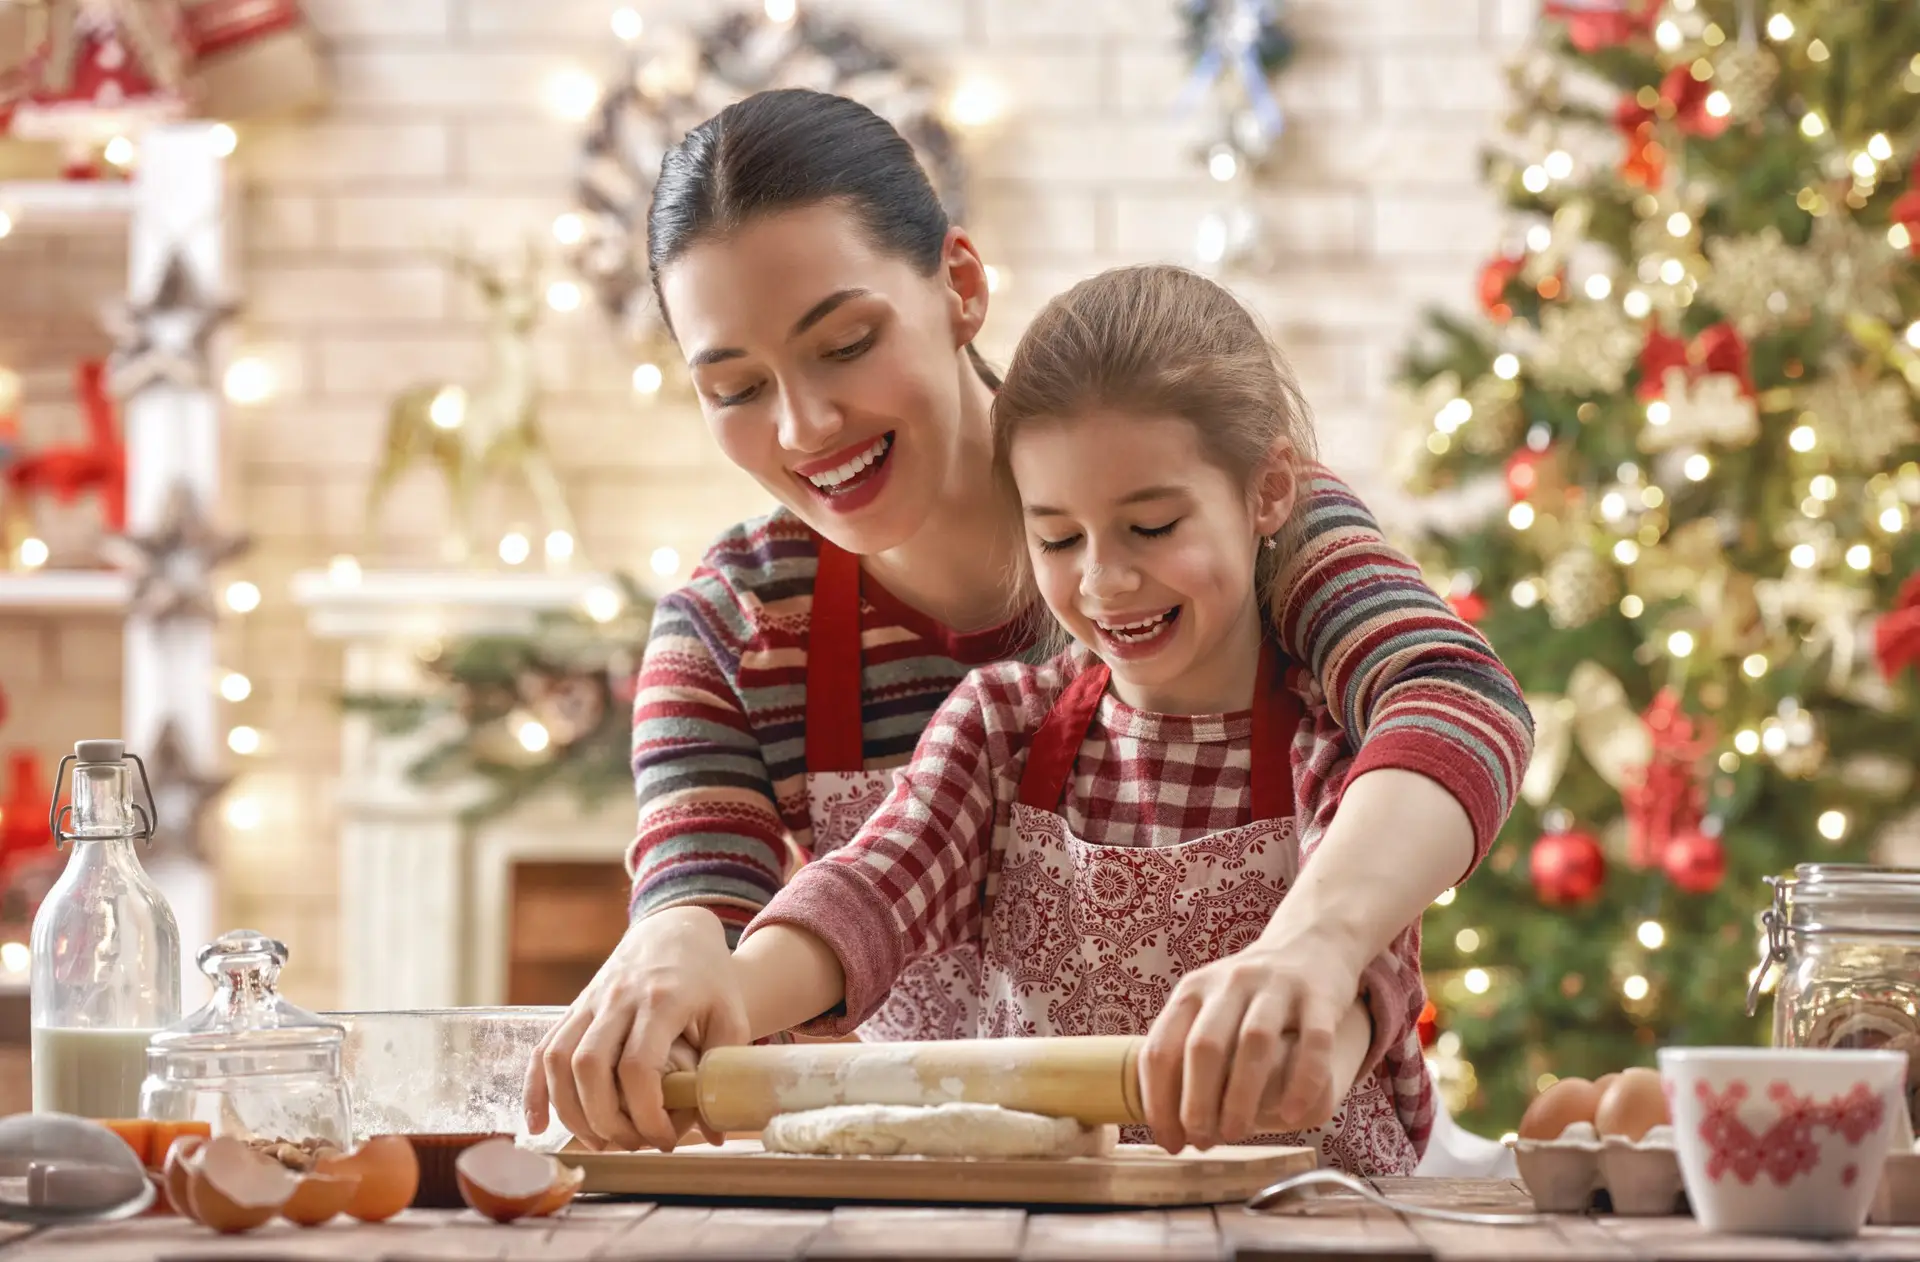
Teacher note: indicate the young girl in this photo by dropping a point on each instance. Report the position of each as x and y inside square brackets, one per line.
[1124, 831]
[827, 311]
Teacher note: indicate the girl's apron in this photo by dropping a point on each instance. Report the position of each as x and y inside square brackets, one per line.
[936, 997]
[1090, 939]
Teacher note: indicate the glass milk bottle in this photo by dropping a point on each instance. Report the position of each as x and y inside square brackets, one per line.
[106, 950]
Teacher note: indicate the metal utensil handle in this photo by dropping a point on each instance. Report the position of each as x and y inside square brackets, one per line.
[1261, 1200]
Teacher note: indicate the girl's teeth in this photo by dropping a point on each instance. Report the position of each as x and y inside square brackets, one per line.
[834, 477]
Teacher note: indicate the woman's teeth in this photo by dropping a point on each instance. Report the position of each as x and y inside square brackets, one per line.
[839, 477]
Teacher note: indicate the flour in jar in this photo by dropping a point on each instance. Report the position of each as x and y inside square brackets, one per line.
[941, 1130]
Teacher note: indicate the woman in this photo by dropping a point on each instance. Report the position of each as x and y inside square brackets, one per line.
[827, 312]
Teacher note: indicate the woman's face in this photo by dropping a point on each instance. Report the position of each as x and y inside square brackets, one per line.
[832, 371]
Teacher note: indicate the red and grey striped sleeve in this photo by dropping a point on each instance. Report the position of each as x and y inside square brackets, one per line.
[1412, 684]
[710, 832]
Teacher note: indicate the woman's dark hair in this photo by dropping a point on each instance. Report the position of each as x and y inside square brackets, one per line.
[789, 148]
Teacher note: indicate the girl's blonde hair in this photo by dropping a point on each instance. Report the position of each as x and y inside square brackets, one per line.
[1156, 340]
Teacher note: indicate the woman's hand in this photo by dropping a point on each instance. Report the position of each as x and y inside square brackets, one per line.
[1255, 1042]
[667, 993]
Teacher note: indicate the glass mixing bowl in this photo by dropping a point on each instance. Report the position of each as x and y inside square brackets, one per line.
[442, 1070]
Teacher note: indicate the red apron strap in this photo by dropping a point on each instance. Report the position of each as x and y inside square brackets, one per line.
[835, 734]
[1057, 744]
[1277, 713]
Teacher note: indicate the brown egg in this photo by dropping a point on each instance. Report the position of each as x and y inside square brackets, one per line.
[1568, 1101]
[319, 1197]
[389, 1176]
[1632, 1106]
[1604, 1081]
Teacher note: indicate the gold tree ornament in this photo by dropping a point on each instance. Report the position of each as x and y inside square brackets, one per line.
[1859, 265]
[1579, 587]
[1861, 421]
[1586, 347]
[172, 565]
[1762, 283]
[1746, 73]
[167, 336]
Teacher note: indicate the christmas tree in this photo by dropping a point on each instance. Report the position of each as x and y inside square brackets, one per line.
[1669, 470]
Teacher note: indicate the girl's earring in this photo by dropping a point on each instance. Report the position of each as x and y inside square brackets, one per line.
[1269, 542]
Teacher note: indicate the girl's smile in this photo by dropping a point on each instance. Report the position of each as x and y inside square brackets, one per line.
[1145, 552]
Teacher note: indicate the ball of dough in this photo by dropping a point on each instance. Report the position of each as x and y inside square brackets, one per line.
[941, 1130]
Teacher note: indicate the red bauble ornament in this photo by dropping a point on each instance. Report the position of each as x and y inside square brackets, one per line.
[1688, 97]
[1494, 279]
[1906, 212]
[1567, 868]
[1470, 607]
[1523, 473]
[1428, 1025]
[1695, 861]
[1591, 26]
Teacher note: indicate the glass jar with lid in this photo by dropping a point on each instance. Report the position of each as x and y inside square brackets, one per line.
[1845, 939]
[249, 1063]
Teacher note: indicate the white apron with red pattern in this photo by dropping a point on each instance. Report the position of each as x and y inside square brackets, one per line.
[1090, 939]
[935, 998]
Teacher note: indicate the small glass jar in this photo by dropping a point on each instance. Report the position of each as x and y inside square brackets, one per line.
[249, 1063]
[1846, 941]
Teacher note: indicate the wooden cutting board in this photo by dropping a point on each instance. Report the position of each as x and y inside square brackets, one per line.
[1136, 1174]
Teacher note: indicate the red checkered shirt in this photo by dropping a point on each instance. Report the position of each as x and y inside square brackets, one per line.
[909, 884]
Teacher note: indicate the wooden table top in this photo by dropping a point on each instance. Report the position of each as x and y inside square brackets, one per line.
[1335, 1225]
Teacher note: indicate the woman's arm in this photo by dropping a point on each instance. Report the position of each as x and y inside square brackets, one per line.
[710, 833]
[1414, 686]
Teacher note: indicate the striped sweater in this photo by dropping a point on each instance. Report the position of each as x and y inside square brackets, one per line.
[718, 730]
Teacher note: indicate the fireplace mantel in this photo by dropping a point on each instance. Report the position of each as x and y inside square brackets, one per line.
[424, 897]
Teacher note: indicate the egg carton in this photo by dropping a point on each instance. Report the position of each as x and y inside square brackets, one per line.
[1583, 1172]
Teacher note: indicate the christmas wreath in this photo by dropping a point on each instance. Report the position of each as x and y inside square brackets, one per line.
[675, 80]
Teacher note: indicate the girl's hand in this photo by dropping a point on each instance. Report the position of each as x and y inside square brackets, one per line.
[1244, 1045]
[666, 993]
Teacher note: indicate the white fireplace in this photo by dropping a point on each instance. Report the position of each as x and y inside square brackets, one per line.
[424, 898]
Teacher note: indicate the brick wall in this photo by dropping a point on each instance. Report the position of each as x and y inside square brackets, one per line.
[440, 123]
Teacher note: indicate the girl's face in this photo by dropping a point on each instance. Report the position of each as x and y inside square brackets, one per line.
[829, 370]
[1145, 553]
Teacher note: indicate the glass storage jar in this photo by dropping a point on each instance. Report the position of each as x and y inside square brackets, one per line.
[249, 1063]
[1845, 939]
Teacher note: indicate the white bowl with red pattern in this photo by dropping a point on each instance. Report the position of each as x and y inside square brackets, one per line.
[1782, 1141]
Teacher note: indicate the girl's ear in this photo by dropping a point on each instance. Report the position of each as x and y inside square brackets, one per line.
[966, 281]
[1276, 487]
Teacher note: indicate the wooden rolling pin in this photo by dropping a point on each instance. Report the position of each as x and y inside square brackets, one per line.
[1093, 1079]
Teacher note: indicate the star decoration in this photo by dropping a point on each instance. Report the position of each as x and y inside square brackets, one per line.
[173, 566]
[166, 337]
[185, 791]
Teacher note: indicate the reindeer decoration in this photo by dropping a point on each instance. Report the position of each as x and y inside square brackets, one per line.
[62, 473]
[488, 430]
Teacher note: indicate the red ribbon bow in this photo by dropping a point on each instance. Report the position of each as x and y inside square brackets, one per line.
[1596, 24]
[1646, 162]
[1667, 798]
[99, 465]
[1688, 97]
[1717, 349]
[1896, 633]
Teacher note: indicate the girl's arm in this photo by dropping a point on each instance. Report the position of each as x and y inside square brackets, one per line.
[907, 885]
